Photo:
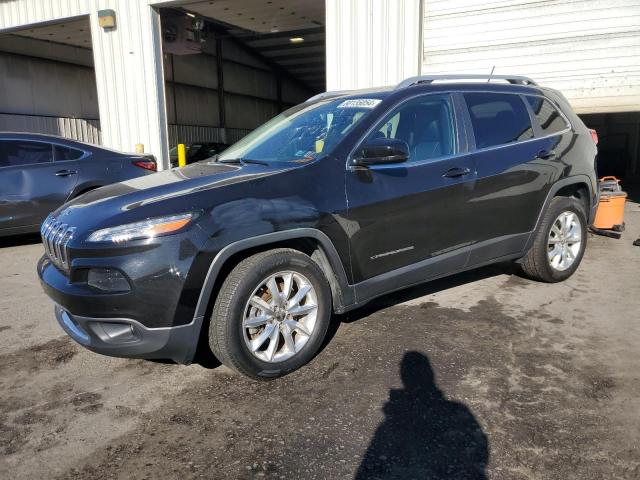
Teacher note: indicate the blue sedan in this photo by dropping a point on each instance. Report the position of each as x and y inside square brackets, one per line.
[38, 173]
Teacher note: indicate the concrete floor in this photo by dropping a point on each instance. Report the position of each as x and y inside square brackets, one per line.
[482, 375]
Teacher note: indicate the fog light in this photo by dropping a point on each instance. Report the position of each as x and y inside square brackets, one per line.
[108, 280]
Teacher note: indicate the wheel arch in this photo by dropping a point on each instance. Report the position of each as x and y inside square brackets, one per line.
[309, 241]
[577, 186]
[84, 188]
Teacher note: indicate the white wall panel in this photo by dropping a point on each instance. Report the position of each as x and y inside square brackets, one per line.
[588, 49]
[371, 42]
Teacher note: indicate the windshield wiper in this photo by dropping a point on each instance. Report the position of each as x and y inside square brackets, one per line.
[244, 161]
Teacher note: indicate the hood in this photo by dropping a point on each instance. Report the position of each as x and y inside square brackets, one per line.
[128, 199]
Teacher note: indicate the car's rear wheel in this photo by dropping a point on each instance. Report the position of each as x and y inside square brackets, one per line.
[559, 243]
[271, 315]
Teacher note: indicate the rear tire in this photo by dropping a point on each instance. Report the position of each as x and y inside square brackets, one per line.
[559, 242]
[264, 334]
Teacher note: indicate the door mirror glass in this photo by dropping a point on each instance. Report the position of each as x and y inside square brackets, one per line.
[380, 151]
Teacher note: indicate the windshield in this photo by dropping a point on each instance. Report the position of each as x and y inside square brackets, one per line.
[304, 132]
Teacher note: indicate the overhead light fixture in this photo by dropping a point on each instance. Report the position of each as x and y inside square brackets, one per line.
[192, 15]
[296, 40]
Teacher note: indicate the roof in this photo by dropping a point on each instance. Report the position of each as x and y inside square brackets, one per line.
[497, 83]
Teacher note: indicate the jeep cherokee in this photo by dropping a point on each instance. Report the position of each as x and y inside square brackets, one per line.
[346, 197]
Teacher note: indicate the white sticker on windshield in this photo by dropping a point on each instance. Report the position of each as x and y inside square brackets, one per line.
[360, 103]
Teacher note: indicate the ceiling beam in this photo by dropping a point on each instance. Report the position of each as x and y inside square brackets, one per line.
[320, 54]
[287, 46]
[275, 67]
[277, 35]
[297, 56]
[221, 29]
[302, 69]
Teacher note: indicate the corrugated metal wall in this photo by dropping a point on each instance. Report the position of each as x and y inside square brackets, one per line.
[74, 128]
[371, 42]
[190, 134]
[588, 49]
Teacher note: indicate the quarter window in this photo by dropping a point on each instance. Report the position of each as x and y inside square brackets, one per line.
[425, 123]
[550, 120]
[65, 153]
[16, 153]
[498, 118]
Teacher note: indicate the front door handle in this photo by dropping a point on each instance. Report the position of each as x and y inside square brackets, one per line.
[545, 154]
[456, 172]
[65, 173]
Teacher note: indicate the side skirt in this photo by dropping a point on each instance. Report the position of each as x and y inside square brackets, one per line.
[509, 247]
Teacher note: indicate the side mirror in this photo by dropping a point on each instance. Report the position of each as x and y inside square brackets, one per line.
[380, 151]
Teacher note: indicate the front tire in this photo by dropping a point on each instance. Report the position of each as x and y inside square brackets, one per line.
[271, 315]
[559, 243]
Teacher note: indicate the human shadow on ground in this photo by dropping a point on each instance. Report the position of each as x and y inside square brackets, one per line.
[424, 435]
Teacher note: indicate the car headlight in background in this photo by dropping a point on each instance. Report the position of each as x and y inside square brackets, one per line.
[150, 228]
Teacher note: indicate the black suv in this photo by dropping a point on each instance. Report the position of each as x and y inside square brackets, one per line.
[344, 198]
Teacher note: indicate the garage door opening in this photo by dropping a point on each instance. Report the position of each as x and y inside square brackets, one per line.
[231, 66]
[48, 82]
[619, 144]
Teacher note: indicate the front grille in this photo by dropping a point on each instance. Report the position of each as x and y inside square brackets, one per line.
[55, 238]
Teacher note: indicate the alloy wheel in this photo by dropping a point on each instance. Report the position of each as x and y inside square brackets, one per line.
[564, 241]
[280, 316]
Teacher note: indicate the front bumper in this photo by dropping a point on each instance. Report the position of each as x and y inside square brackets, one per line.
[100, 321]
[123, 337]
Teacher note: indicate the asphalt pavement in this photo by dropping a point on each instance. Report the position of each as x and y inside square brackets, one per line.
[480, 375]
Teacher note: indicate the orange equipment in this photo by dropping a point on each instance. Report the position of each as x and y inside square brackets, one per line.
[610, 213]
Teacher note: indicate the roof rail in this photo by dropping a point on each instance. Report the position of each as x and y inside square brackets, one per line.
[515, 79]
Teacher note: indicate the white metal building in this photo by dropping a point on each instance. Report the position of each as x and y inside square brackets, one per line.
[183, 70]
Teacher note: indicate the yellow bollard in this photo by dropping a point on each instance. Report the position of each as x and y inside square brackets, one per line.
[182, 155]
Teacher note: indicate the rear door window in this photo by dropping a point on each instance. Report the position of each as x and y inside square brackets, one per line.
[548, 116]
[498, 119]
[66, 153]
[19, 153]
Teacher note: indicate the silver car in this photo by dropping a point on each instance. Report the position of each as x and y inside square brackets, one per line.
[38, 173]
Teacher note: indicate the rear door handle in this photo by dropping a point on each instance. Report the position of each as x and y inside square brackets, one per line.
[456, 172]
[65, 173]
[546, 154]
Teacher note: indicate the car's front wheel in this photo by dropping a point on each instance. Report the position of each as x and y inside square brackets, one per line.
[271, 315]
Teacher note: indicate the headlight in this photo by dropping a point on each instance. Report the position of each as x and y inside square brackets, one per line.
[150, 228]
